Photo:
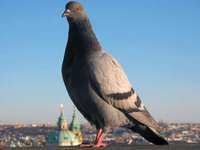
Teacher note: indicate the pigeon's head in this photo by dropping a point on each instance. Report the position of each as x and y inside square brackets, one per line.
[74, 12]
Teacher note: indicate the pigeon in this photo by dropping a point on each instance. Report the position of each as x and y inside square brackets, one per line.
[98, 85]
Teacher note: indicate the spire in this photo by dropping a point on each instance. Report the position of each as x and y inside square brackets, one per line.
[61, 108]
[75, 124]
[62, 122]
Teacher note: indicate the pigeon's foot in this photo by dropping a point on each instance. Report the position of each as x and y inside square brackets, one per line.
[99, 139]
[93, 145]
[86, 145]
[100, 145]
[98, 142]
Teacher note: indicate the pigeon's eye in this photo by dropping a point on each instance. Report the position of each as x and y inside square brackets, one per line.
[78, 8]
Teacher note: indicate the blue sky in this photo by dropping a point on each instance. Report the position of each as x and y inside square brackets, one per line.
[157, 42]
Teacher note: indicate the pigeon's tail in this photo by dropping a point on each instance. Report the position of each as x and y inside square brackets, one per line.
[149, 134]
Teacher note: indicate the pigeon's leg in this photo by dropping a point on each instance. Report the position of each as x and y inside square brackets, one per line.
[99, 139]
[99, 133]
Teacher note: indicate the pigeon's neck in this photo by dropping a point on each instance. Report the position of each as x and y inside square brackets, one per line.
[81, 37]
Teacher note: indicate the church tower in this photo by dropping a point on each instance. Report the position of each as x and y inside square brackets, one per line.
[75, 124]
[63, 136]
[75, 127]
[62, 127]
[62, 122]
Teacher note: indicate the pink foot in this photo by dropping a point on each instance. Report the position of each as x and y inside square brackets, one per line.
[98, 142]
[100, 145]
[99, 139]
[86, 145]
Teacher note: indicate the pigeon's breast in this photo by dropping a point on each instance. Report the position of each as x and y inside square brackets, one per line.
[79, 89]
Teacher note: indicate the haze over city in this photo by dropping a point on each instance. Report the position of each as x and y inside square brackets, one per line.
[157, 43]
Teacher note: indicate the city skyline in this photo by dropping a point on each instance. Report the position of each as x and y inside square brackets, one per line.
[157, 43]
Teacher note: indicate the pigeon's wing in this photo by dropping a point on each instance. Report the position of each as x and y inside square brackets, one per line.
[109, 81]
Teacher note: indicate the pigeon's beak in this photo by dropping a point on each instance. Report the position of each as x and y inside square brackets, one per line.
[67, 12]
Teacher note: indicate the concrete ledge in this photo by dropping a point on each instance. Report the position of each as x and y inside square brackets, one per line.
[119, 147]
